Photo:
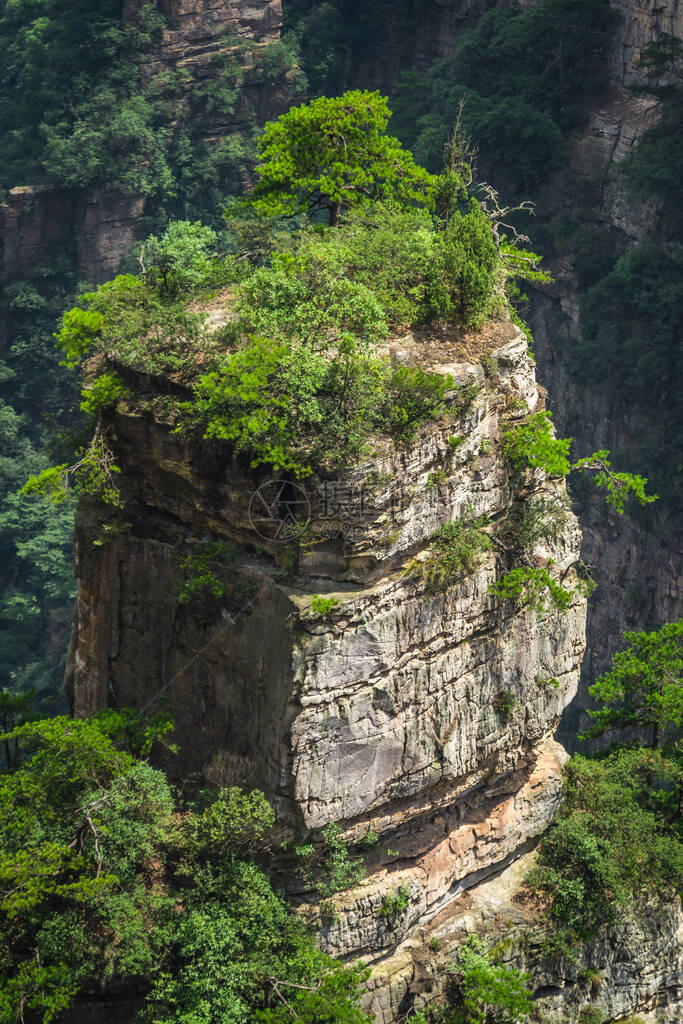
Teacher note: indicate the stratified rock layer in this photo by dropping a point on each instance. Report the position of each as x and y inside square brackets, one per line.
[634, 967]
[379, 709]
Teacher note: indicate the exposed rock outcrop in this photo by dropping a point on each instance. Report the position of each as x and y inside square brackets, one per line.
[379, 709]
[633, 967]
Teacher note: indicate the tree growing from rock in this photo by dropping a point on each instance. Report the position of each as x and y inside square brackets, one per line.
[334, 154]
[644, 687]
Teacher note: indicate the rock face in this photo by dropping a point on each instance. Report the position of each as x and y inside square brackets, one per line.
[639, 570]
[635, 967]
[346, 686]
[195, 25]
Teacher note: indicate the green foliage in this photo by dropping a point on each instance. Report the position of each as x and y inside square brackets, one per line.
[486, 992]
[471, 260]
[332, 154]
[616, 840]
[505, 704]
[456, 550]
[529, 586]
[106, 880]
[233, 821]
[341, 870]
[533, 444]
[37, 589]
[644, 687]
[94, 474]
[307, 296]
[411, 397]
[180, 261]
[618, 486]
[334, 999]
[536, 520]
[323, 605]
[136, 326]
[329, 868]
[85, 106]
[396, 902]
[590, 1015]
[81, 329]
[207, 569]
[522, 95]
[103, 392]
[287, 405]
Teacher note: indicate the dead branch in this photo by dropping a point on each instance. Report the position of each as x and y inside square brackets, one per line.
[497, 214]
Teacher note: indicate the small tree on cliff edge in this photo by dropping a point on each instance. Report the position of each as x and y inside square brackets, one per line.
[644, 687]
[334, 153]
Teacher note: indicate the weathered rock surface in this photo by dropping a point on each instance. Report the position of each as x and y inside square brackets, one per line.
[639, 570]
[635, 967]
[377, 712]
[447, 853]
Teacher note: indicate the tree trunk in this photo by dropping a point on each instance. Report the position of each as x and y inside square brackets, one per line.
[335, 211]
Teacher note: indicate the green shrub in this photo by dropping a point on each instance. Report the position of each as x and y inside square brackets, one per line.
[180, 261]
[590, 1015]
[531, 586]
[471, 259]
[616, 840]
[396, 902]
[485, 991]
[532, 445]
[103, 392]
[534, 520]
[323, 605]
[505, 704]
[95, 844]
[288, 406]
[208, 569]
[411, 397]
[456, 550]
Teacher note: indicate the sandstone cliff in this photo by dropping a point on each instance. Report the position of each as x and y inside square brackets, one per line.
[638, 569]
[378, 710]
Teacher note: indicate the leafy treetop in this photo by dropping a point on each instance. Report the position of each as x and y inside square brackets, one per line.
[644, 687]
[334, 153]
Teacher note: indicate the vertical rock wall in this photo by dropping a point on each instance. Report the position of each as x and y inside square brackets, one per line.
[377, 710]
[638, 568]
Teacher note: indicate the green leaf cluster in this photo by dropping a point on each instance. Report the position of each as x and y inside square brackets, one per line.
[456, 550]
[643, 690]
[532, 586]
[486, 992]
[333, 153]
[617, 839]
[107, 879]
[533, 444]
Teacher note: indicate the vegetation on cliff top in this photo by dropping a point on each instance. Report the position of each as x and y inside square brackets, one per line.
[294, 379]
